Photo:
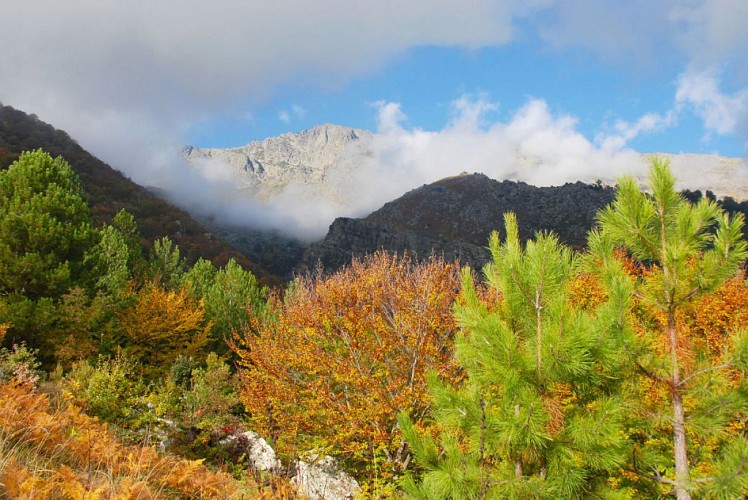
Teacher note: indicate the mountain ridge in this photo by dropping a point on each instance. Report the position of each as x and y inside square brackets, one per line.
[108, 191]
[267, 166]
[323, 155]
[454, 217]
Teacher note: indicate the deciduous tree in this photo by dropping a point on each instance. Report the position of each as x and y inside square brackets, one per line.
[161, 325]
[337, 358]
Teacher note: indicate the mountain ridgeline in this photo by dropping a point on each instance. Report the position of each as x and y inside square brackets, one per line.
[454, 218]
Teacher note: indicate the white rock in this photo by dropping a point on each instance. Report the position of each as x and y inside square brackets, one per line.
[320, 478]
[259, 453]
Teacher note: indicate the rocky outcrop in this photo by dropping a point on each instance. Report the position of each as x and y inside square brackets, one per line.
[454, 217]
[317, 477]
[356, 238]
[320, 478]
[258, 452]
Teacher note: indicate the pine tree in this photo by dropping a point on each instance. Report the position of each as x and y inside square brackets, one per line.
[233, 295]
[167, 266]
[45, 230]
[539, 413]
[44, 226]
[686, 251]
[230, 295]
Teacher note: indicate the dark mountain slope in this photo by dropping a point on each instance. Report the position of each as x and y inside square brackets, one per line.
[109, 191]
[454, 217]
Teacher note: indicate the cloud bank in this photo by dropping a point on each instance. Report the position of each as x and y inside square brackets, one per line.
[129, 79]
[534, 145]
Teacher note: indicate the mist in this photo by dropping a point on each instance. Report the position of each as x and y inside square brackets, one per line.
[129, 81]
[532, 145]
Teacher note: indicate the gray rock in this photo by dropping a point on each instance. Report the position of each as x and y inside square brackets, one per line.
[264, 168]
[320, 478]
[453, 218]
[259, 453]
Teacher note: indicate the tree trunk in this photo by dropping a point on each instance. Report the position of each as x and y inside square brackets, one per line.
[518, 461]
[682, 473]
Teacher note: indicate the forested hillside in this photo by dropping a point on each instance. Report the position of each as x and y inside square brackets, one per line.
[108, 191]
[617, 371]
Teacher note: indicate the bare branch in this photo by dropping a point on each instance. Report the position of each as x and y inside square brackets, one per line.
[702, 372]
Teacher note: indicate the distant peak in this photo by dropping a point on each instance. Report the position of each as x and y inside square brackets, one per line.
[333, 130]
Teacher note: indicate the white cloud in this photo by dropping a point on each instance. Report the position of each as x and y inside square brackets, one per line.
[298, 111]
[624, 132]
[177, 62]
[652, 34]
[628, 33]
[721, 113]
[712, 31]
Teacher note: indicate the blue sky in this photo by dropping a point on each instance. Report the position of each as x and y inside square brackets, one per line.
[426, 80]
[596, 89]
[579, 84]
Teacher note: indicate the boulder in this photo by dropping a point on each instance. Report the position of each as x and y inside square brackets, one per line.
[259, 453]
[321, 478]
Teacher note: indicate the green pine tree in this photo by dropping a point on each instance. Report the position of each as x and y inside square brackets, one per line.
[124, 223]
[109, 264]
[167, 266]
[229, 296]
[689, 250]
[45, 231]
[539, 414]
[234, 294]
[45, 226]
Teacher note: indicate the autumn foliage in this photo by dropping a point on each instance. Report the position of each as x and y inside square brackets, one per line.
[341, 356]
[163, 324]
[714, 317]
[56, 451]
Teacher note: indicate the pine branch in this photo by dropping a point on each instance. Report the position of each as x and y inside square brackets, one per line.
[702, 372]
[482, 459]
[656, 476]
[653, 376]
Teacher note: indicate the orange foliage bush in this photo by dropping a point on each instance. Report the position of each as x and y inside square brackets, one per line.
[344, 355]
[715, 316]
[58, 452]
[163, 324]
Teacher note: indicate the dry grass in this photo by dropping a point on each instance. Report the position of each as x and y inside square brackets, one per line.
[56, 451]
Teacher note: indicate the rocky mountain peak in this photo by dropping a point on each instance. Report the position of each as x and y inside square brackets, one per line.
[268, 166]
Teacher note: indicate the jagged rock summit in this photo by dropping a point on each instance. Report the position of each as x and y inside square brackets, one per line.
[267, 167]
[453, 218]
